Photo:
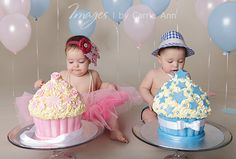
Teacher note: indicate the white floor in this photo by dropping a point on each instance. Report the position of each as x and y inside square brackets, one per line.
[104, 148]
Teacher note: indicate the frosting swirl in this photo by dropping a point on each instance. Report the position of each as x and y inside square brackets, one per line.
[56, 99]
[181, 98]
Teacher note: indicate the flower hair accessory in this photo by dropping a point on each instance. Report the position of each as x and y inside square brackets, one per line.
[89, 49]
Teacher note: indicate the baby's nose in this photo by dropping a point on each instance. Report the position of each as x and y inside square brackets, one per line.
[176, 65]
[76, 64]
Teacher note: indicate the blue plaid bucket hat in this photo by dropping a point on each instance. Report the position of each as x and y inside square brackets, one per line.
[173, 38]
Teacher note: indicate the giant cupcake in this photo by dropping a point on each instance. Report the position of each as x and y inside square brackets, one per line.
[56, 108]
[182, 108]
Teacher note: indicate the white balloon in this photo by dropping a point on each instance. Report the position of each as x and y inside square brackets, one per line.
[14, 6]
[15, 32]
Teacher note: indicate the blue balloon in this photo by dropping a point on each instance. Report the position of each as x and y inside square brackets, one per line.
[222, 26]
[82, 22]
[38, 7]
[116, 8]
[158, 6]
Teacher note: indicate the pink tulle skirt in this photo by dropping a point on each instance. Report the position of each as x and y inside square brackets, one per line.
[21, 104]
[101, 104]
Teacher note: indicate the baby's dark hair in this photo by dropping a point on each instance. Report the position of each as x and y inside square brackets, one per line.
[74, 38]
[174, 47]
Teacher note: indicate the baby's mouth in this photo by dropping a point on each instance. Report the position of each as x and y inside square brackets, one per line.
[175, 70]
[172, 73]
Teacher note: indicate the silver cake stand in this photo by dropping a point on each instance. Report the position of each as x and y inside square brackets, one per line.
[89, 133]
[216, 136]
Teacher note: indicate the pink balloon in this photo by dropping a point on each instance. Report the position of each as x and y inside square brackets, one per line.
[1, 13]
[204, 8]
[15, 32]
[15, 6]
[139, 23]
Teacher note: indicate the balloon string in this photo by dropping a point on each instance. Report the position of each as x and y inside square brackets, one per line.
[176, 13]
[117, 51]
[177, 7]
[209, 66]
[13, 75]
[154, 63]
[154, 48]
[226, 83]
[58, 31]
[37, 50]
[58, 15]
[139, 64]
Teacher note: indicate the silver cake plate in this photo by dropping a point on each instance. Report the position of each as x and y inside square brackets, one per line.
[150, 133]
[24, 137]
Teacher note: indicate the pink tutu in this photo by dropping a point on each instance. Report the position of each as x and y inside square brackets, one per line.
[22, 103]
[100, 104]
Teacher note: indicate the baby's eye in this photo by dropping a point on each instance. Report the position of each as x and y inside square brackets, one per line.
[169, 61]
[181, 61]
[82, 61]
[70, 62]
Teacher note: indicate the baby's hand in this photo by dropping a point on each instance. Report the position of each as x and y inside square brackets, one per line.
[112, 86]
[211, 94]
[38, 84]
[108, 85]
[150, 106]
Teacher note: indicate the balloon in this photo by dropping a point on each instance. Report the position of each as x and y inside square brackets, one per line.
[139, 23]
[14, 6]
[116, 8]
[204, 8]
[222, 26]
[158, 6]
[82, 22]
[1, 13]
[15, 32]
[38, 7]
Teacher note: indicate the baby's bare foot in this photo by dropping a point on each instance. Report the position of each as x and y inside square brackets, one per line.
[118, 136]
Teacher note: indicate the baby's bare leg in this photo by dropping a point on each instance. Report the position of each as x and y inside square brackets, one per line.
[148, 115]
[115, 133]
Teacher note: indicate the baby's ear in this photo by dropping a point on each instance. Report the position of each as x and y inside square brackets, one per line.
[159, 58]
[89, 62]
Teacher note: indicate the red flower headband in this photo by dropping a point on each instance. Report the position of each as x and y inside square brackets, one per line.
[89, 49]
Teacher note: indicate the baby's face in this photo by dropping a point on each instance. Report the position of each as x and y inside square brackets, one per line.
[77, 62]
[172, 59]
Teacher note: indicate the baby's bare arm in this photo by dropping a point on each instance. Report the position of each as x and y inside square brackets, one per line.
[97, 80]
[99, 84]
[108, 85]
[145, 88]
